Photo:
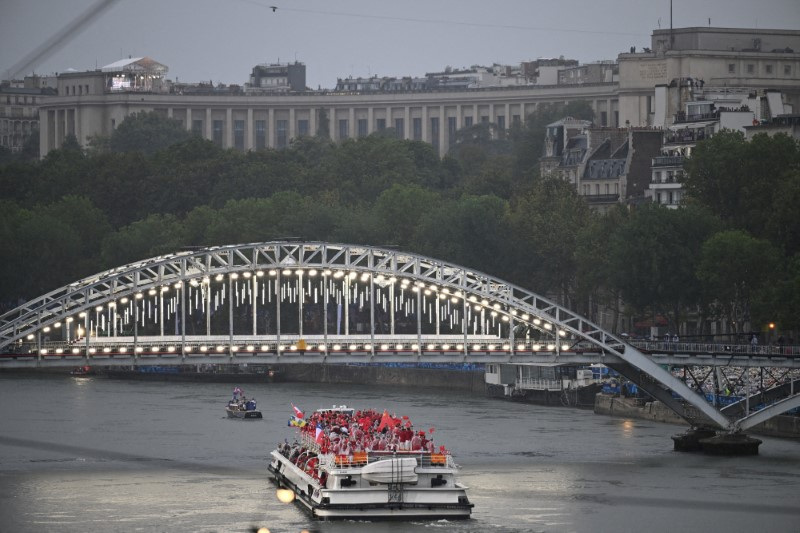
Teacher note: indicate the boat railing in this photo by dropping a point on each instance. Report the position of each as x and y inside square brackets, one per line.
[424, 459]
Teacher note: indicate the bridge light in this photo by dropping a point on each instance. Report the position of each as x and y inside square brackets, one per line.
[299, 272]
[112, 305]
[393, 280]
[353, 347]
[506, 347]
[459, 346]
[43, 351]
[399, 346]
[536, 321]
[564, 347]
[562, 333]
[264, 347]
[219, 277]
[165, 288]
[171, 349]
[92, 350]
[206, 280]
[490, 347]
[178, 285]
[220, 348]
[234, 348]
[106, 350]
[551, 347]
[445, 346]
[193, 282]
[273, 272]
[505, 318]
[260, 274]
[30, 336]
[433, 287]
[445, 290]
[536, 347]
[250, 348]
[139, 295]
[312, 272]
[75, 350]
[458, 293]
[420, 284]
[46, 329]
[520, 346]
[473, 298]
[454, 300]
[431, 346]
[338, 274]
[59, 351]
[327, 272]
[293, 347]
[496, 306]
[204, 348]
[413, 346]
[442, 296]
[365, 276]
[478, 307]
[484, 302]
[248, 275]
[151, 292]
[139, 349]
[548, 325]
[352, 275]
[427, 292]
[514, 312]
[98, 308]
[367, 346]
[415, 289]
[123, 301]
[384, 347]
[526, 316]
[154, 349]
[69, 319]
[336, 347]
[234, 275]
[494, 313]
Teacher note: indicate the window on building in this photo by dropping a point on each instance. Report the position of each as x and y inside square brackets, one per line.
[281, 129]
[435, 132]
[731, 70]
[616, 188]
[603, 118]
[751, 68]
[238, 134]
[416, 125]
[344, 130]
[787, 70]
[381, 124]
[669, 198]
[361, 125]
[451, 129]
[113, 123]
[501, 122]
[399, 128]
[597, 189]
[467, 122]
[261, 134]
[484, 119]
[302, 128]
[608, 189]
[768, 69]
[217, 132]
[197, 127]
[658, 197]
[656, 176]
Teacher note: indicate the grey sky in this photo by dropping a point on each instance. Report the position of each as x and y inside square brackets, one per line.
[221, 40]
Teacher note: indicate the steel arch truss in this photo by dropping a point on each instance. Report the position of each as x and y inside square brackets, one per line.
[469, 288]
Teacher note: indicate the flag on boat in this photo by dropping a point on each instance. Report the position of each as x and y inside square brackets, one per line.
[297, 422]
[319, 435]
[297, 412]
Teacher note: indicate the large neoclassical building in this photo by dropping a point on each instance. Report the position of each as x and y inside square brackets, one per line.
[95, 102]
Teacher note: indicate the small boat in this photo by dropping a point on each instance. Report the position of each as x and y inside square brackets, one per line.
[82, 371]
[404, 480]
[241, 407]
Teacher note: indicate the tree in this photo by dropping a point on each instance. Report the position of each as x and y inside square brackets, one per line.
[147, 132]
[735, 269]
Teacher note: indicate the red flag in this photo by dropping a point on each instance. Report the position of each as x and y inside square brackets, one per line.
[431, 430]
[297, 412]
[386, 420]
[320, 435]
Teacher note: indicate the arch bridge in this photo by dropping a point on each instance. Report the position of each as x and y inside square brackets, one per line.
[301, 302]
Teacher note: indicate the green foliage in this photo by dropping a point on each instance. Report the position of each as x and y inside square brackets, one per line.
[146, 132]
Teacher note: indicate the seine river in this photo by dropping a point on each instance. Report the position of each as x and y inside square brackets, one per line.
[98, 455]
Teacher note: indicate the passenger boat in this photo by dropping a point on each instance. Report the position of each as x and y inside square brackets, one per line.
[400, 480]
[241, 407]
[82, 371]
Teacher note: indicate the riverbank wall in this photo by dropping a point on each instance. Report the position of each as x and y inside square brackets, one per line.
[779, 426]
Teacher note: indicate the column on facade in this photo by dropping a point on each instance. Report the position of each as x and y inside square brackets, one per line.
[424, 112]
[209, 130]
[459, 120]
[442, 131]
[271, 128]
[76, 124]
[351, 122]
[609, 122]
[508, 116]
[229, 128]
[332, 123]
[248, 136]
[389, 120]
[407, 123]
[292, 124]
[188, 119]
[370, 120]
[312, 121]
[169, 112]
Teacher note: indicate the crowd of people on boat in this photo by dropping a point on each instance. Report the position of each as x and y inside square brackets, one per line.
[241, 402]
[342, 433]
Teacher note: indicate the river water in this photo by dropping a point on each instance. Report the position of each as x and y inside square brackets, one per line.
[98, 455]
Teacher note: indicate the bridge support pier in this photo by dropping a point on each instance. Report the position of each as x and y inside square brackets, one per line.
[710, 442]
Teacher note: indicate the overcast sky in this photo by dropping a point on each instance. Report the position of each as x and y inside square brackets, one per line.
[221, 40]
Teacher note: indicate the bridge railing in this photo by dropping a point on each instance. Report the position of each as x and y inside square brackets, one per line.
[538, 384]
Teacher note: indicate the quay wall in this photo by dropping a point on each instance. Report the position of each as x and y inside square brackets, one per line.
[779, 426]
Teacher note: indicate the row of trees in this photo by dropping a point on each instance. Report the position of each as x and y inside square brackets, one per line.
[149, 189]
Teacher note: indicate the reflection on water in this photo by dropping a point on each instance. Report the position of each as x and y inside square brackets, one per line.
[95, 455]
